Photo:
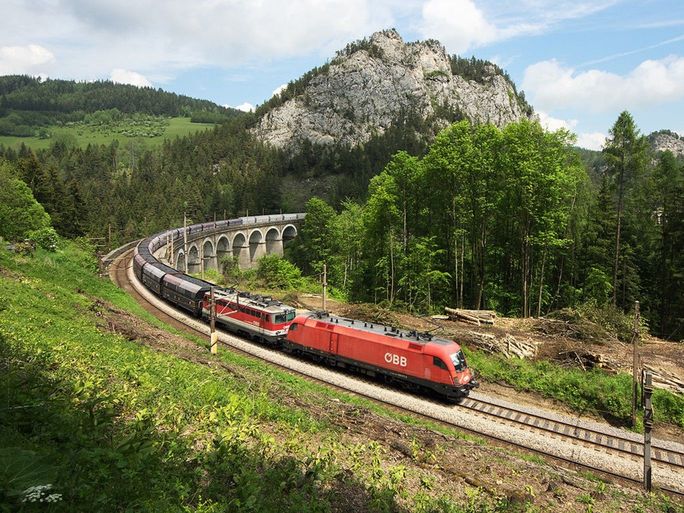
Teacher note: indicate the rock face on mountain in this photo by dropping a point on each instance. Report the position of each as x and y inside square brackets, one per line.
[664, 140]
[369, 86]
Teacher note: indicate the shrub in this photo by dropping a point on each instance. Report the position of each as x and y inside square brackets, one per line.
[46, 238]
[277, 272]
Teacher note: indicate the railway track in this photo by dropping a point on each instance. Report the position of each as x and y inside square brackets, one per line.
[586, 443]
[618, 441]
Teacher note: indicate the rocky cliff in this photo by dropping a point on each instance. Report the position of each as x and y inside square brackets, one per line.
[372, 83]
[665, 140]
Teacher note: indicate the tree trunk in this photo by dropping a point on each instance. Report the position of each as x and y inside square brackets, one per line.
[541, 284]
[621, 190]
[391, 284]
[460, 301]
[456, 276]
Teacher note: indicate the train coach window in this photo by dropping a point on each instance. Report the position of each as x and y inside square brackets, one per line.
[439, 363]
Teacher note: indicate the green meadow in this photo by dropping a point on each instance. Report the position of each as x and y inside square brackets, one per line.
[148, 130]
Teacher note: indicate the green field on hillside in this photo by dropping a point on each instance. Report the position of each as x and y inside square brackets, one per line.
[148, 130]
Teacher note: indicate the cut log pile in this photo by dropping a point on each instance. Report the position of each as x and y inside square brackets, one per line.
[475, 316]
[587, 360]
[667, 380]
[577, 329]
[508, 345]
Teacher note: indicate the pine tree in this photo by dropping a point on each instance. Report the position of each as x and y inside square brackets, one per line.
[625, 153]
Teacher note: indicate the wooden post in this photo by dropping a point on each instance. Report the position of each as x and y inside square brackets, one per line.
[648, 425]
[109, 240]
[325, 287]
[635, 363]
[212, 323]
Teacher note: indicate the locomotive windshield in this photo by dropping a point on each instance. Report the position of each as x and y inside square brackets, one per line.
[458, 359]
[286, 316]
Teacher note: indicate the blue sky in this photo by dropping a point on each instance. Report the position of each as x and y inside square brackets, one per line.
[579, 62]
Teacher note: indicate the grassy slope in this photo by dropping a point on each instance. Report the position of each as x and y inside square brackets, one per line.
[177, 127]
[116, 426]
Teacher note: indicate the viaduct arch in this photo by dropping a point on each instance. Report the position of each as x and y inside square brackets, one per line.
[246, 239]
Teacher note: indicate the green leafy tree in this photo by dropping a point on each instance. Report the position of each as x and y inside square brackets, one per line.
[541, 178]
[316, 242]
[277, 272]
[20, 213]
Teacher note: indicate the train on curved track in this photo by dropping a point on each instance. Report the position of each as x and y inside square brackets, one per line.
[417, 361]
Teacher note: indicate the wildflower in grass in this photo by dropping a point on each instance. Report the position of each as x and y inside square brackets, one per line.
[40, 493]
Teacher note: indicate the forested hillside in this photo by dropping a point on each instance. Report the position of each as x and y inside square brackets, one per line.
[28, 103]
[510, 220]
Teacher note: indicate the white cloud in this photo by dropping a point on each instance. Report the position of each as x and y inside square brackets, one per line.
[124, 76]
[279, 89]
[160, 39]
[551, 86]
[591, 141]
[462, 25]
[18, 60]
[245, 107]
[457, 23]
[553, 124]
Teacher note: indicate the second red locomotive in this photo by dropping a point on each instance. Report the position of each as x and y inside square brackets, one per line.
[257, 317]
[418, 360]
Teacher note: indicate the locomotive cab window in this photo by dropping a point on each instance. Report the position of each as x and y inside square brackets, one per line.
[439, 363]
[458, 359]
[293, 326]
[279, 318]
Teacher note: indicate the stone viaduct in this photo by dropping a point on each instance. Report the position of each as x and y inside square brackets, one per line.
[246, 239]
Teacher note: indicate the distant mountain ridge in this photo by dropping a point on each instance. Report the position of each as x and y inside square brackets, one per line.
[372, 83]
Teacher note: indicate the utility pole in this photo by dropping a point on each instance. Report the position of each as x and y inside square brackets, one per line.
[635, 362]
[185, 242]
[325, 286]
[212, 323]
[648, 425]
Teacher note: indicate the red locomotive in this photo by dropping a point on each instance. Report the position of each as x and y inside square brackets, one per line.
[417, 360]
[257, 317]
